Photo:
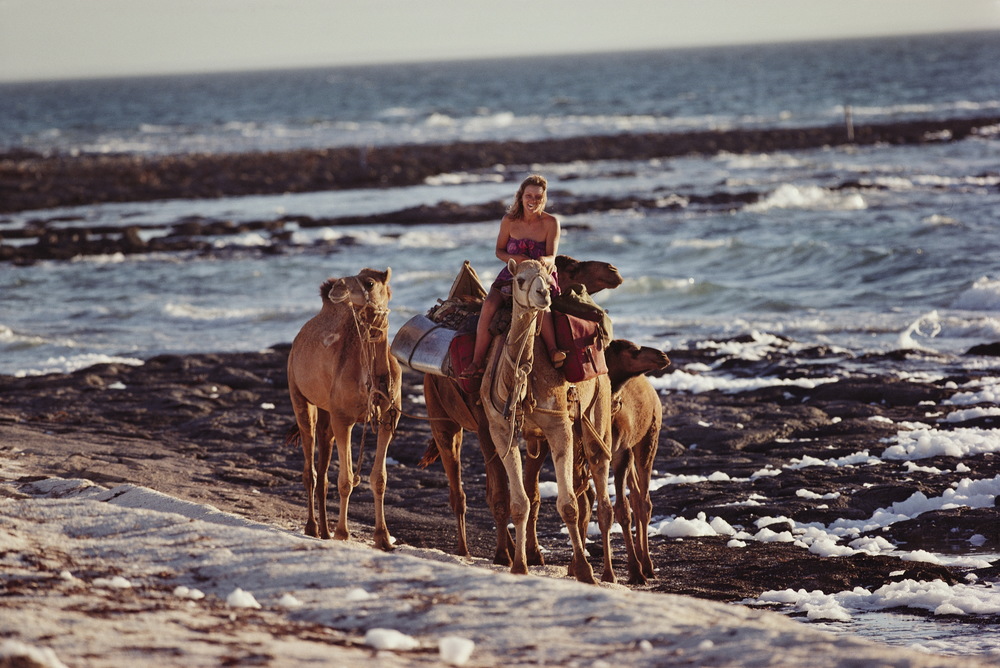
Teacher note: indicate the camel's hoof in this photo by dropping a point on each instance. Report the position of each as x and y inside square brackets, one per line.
[637, 579]
[536, 559]
[502, 558]
[340, 535]
[384, 542]
[582, 573]
[519, 569]
[609, 577]
[311, 531]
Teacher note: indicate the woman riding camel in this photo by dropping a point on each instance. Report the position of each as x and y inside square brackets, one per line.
[527, 232]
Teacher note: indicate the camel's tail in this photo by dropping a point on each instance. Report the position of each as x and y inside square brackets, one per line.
[431, 454]
[293, 437]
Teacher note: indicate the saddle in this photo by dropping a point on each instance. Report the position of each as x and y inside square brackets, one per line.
[583, 329]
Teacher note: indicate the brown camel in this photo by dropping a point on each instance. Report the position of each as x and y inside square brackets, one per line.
[451, 410]
[520, 386]
[635, 430]
[340, 373]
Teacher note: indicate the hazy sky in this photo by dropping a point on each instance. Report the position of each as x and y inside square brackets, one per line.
[78, 38]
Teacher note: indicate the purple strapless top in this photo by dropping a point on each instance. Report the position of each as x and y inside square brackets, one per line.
[534, 250]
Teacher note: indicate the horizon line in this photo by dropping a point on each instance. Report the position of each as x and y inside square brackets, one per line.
[377, 62]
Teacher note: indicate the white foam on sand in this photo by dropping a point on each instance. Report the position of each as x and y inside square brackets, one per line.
[426, 599]
[71, 363]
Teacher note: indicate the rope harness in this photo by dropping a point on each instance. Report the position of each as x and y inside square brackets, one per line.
[371, 323]
[511, 370]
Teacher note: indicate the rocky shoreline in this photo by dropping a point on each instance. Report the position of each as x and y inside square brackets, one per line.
[210, 428]
[30, 180]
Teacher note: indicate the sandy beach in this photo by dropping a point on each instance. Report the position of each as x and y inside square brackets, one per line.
[209, 429]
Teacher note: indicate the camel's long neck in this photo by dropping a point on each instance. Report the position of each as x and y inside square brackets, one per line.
[520, 345]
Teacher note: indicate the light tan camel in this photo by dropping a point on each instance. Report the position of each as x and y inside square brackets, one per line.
[340, 373]
[452, 410]
[635, 429]
[520, 385]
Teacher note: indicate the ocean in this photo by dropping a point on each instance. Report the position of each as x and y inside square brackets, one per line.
[865, 249]
[871, 248]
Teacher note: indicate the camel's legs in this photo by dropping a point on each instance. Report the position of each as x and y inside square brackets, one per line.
[497, 496]
[605, 517]
[305, 418]
[599, 468]
[562, 458]
[345, 475]
[500, 432]
[642, 505]
[447, 436]
[623, 470]
[537, 451]
[583, 490]
[324, 440]
[383, 540]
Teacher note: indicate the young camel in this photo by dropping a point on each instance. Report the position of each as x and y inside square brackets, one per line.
[340, 373]
[452, 410]
[635, 429]
[519, 385]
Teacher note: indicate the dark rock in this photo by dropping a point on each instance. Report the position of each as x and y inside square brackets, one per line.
[36, 182]
[988, 349]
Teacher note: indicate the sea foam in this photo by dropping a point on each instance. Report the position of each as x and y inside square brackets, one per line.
[982, 295]
[790, 196]
[64, 364]
[192, 312]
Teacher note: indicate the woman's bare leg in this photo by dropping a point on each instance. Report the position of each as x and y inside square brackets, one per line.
[489, 309]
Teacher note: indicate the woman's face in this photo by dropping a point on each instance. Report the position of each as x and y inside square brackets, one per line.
[533, 199]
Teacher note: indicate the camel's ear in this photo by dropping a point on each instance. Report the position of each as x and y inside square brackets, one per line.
[375, 274]
[338, 291]
[512, 266]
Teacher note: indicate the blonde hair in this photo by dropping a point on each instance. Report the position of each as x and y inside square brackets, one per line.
[516, 209]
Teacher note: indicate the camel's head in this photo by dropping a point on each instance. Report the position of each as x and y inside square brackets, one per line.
[625, 360]
[531, 286]
[368, 288]
[593, 274]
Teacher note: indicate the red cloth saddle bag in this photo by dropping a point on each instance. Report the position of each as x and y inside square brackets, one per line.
[461, 351]
[581, 339]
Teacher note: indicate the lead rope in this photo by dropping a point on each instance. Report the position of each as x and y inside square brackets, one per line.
[377, 330]
[520, 379]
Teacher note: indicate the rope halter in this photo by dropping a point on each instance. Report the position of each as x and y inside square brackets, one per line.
[371, 319]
